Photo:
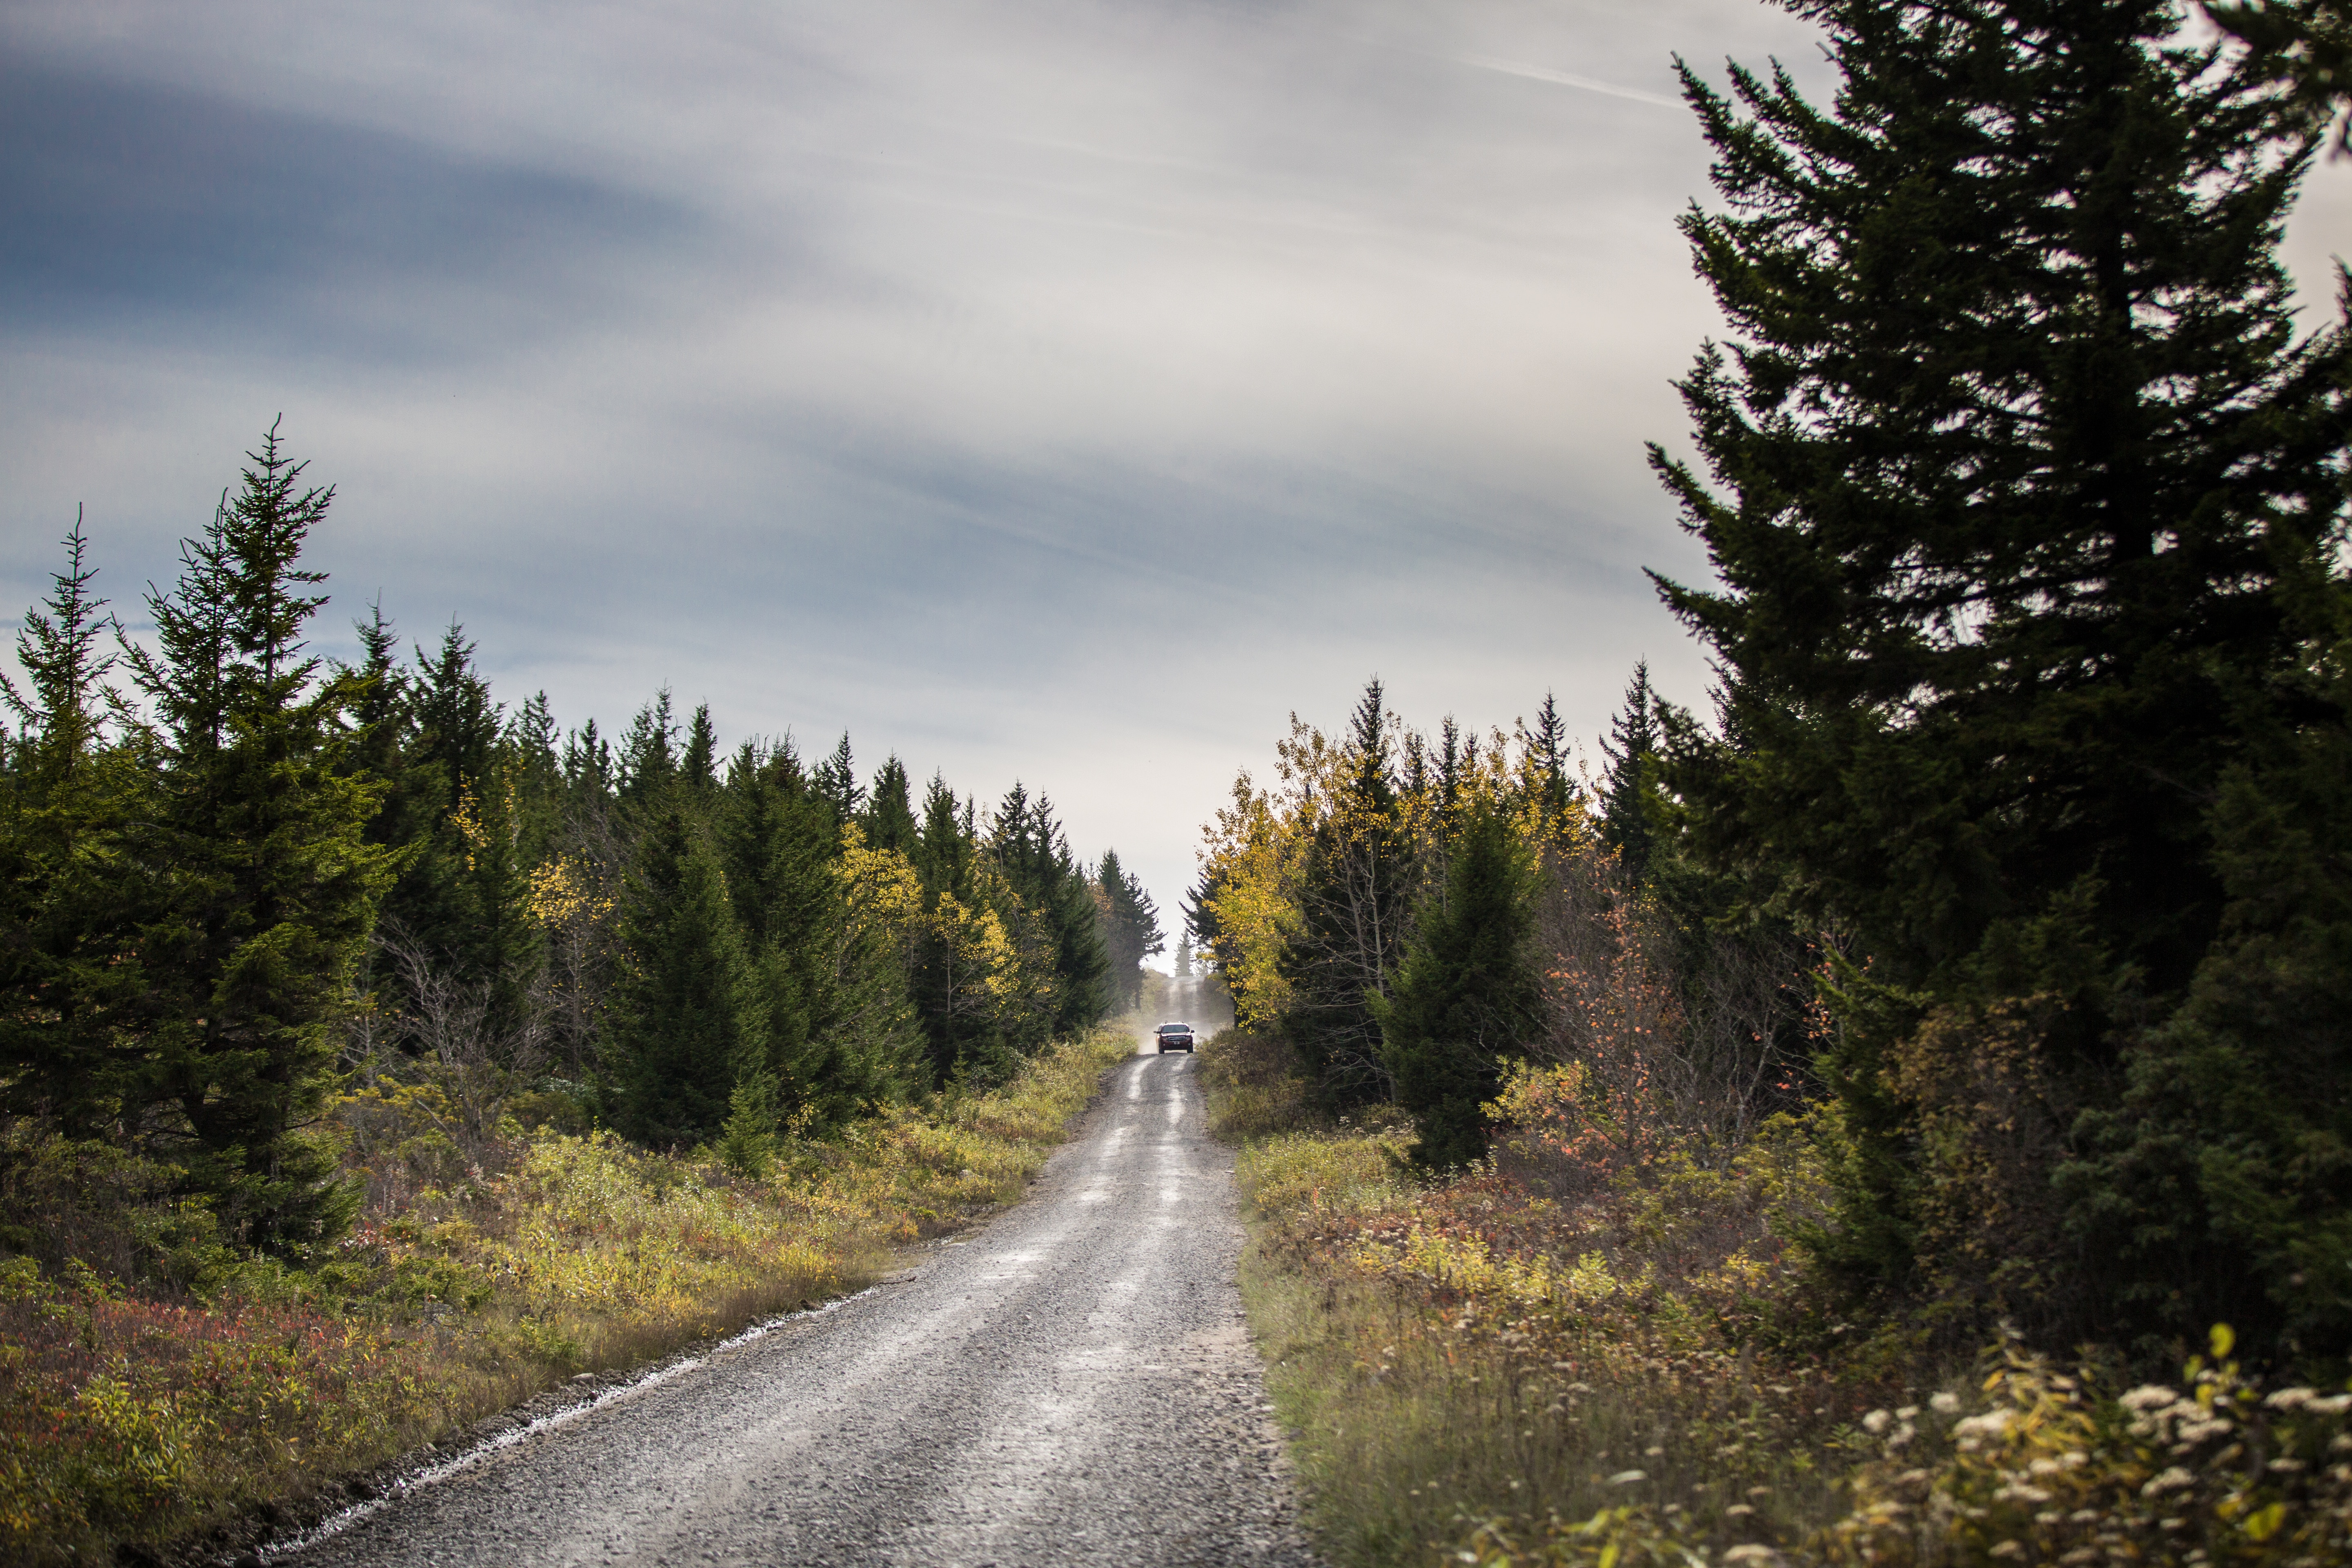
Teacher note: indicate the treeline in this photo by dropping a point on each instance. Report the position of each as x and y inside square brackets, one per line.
[1415, 915]
[236, 874]
[2018, 842]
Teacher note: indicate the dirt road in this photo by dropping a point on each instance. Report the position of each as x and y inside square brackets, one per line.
[1071, 1383]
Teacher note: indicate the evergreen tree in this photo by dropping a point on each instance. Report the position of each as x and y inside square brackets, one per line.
[1546, 759]
[2306, 46]
[840, 1034]
[268, 884]
[534, 770]
[1353, 901]
[1201, 915]
[684, 1023]
[945, 845]
[69, 964]
[835, 781]
[1466, 997]
[2219, 1176]
[590, 773]
[649, 753]
[1631, 752]
[461, 901]
[457, 724]
[1130, 922]
[2020, 449]
[962, 1042]
[1451, 762]
[1183, 960]
[697, 766]
[382, 718]
[1034, 856]
[889, 817]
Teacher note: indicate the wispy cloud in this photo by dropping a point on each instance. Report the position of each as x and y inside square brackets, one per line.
[1569, 78]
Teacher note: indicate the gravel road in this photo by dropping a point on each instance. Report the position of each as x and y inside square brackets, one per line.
[1072, 1382]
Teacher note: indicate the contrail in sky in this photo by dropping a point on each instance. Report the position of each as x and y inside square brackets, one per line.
[1566, 79]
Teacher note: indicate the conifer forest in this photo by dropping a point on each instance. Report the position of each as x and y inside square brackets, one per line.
[1896, 1107]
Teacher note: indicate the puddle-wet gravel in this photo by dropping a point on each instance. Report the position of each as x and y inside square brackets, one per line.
[1071, 1383]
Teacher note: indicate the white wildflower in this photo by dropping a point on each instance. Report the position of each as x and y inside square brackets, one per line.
[1944, 1404]
[1877, 1421]
[2170, 1480]
[2147, 1396]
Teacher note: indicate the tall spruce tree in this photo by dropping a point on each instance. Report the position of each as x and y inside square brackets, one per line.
[698, 765]
[890, 819]
[1465, 998]
[70, 962]
[2018, 449]
[648, 763]
[267, 884]
[1130, 923]
[685, 1021]
[1630, 753]
[1033, 854]
[836, 782]
[1353, 903]
[459, 903]
[1546, 759]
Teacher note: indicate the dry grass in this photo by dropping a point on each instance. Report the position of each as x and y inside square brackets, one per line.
[1615, 1366]
[153, 1414]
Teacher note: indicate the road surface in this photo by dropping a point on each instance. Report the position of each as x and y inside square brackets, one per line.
[1071, 1383]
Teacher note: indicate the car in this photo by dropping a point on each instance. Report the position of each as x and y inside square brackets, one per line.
[1174, 1035]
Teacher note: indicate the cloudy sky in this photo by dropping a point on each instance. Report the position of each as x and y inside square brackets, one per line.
[1055, 390]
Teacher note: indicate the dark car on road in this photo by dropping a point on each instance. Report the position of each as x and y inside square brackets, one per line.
[1173, 1037]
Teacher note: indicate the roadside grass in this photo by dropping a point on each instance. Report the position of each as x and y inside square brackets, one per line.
[154, 1388]
[1537, 1363]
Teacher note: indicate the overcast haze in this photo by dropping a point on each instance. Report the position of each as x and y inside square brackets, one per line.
[1050, 390]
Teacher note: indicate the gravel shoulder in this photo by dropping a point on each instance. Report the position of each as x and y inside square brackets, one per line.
[1072, 1382]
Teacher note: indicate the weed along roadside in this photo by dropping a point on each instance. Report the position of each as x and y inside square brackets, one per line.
[1507, 1367]
[197, 1422]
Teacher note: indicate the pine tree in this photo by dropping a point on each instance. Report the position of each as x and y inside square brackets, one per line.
[456, 722]
[1353, 902]
[1631, 752]
[649, 753]
[945, 845]
[2019, 448]
[1466, 997]
[460, 903]
[69, 962]
[382, 718]
[2306, 46]
[698, 765]
[1130, 923]
[835, 781]
[1546, 759]
[1034, 855]
[840, 1034]
[684, 1023]
[889, 817]
[268, 884]
[590, 773]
